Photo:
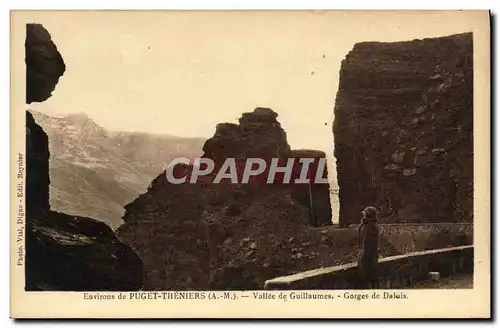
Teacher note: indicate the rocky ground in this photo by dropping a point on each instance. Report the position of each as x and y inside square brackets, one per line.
[231, 236]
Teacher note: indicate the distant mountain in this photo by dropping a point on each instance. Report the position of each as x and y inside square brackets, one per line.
[95, 172]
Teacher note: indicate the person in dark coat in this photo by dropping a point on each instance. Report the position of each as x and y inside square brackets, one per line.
[368, 248]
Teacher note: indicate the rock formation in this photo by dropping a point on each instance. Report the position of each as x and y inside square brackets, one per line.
[259, 134]
[403, 130]
[63, 252]
[232, 236]
[44, 64]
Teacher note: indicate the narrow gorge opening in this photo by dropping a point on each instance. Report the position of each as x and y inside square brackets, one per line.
[334, 186]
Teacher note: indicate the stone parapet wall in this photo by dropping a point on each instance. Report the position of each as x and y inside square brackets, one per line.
[399, 271]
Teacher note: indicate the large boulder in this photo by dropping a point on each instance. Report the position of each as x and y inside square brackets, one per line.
[71, 253]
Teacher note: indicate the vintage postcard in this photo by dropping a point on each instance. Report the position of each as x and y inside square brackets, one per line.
[250, 164]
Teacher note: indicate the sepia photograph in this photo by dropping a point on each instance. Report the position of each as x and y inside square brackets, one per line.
[229, 156]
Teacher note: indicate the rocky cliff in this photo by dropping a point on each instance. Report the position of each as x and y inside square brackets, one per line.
[63, 252]
[403, 130]
[232, 236]
[37, 166]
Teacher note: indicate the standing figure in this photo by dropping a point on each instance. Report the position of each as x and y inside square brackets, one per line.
[368, 248]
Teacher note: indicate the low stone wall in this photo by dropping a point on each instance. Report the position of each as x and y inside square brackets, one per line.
[399, 271]
[412, 237]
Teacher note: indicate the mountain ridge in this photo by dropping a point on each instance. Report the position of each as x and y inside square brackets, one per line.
[95, 171]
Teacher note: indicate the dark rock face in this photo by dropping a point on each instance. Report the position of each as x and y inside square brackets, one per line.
[404, 130]
[231, 236]
[44, 64]
[63, 252]
[37, 166]
[71, 253]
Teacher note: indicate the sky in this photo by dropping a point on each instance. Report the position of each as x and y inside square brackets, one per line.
[181, 73]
